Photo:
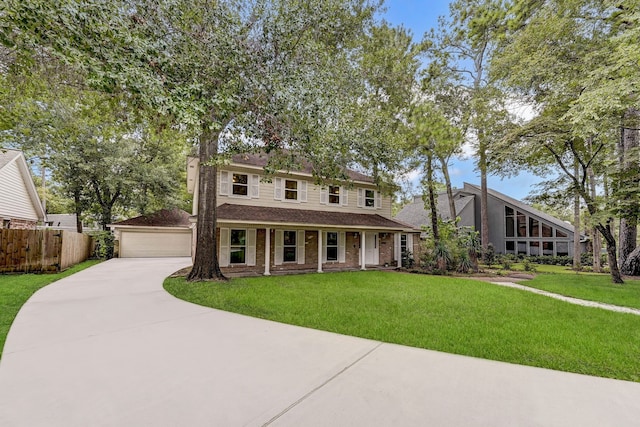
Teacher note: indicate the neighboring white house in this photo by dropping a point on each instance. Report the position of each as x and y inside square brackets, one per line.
[291, 224]
[20, 206]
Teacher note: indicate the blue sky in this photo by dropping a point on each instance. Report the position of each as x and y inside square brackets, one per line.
[419, 16]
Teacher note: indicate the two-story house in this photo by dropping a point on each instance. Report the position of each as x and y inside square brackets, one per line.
[291, 224]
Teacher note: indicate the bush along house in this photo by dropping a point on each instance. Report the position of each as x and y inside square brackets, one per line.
[292, 225]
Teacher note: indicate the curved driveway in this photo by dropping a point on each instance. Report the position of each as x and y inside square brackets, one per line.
[109, 347]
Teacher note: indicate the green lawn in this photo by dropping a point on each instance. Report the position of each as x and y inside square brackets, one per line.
[441, 313]
[16, 289]
[589, 286]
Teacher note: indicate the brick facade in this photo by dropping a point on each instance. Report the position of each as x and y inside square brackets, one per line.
[22, 224]
[352, 254]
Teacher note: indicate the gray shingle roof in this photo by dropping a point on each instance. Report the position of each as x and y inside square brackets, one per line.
[269, 215]
[415, 213]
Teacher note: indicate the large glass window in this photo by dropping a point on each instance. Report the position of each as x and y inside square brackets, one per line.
[238, 249]
[534, 248]
[534, 227]
[510, 247]
[289, 246]
[510, 221]
[560, 233]
[522, 224]
[369, 198]
[547, 248]
[332, 246]
[334, 194]
[522, 248]
[240, 184]
[290, 189]
[562, 248]
[546, 230]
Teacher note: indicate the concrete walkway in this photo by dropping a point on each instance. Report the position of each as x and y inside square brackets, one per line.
[109, 347]
[570, 300]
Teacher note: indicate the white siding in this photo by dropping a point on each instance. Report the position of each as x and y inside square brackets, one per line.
[14, 196]
[268, 196]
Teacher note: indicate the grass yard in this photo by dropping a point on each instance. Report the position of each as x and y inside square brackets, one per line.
[16, 289]
[453, 315]
[589, 286]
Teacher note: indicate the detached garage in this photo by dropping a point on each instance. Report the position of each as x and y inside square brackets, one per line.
[166, 233]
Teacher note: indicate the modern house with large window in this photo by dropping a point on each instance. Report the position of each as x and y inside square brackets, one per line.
[289, 224]
[514, 227]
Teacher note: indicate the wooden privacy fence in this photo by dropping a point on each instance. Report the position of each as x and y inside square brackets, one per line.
[40, 251]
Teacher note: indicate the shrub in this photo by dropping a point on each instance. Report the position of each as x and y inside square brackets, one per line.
[104, 245]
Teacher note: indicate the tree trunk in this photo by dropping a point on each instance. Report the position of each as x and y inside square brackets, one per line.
[597, 242]
[616, 277]
[205, 264]
[447, 181]
[628, 146]
[484, 215]
[432, 200]
[576, 223]
[78, 209]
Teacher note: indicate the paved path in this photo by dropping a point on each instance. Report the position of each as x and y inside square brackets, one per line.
[108, 347]
[571, 300]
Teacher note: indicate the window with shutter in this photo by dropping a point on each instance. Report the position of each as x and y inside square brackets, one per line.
[224, 183]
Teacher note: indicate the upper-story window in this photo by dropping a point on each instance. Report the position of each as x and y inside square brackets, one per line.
[290, 190]
[236, 184]
[333, 195]
[368, 198]
[240, 184]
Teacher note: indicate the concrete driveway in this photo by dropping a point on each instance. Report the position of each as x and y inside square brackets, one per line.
[109, 347]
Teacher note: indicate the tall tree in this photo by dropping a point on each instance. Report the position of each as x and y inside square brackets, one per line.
[286, 73]
[547, 57]
[464, 46]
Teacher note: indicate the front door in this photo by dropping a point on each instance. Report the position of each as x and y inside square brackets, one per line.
[371, 255]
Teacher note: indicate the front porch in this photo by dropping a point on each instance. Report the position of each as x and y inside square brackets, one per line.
[265, 251]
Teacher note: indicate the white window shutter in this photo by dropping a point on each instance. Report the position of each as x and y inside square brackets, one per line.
[396, 248]
[324, 196]
[302, 191]
[300, 243]
[378, 200]
[224, 183]
[251, 247]
[279, 248]
[360, 197]
[255, 186]
[342, 245]
[410, 243]
[344, 196]
[223, 256]
[324, 246]
[277, 188]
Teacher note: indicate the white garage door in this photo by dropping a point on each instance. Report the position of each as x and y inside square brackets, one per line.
[149, 244]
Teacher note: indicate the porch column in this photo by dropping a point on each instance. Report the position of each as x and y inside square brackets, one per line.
[319, 251]
[363, 254]
[267, 251]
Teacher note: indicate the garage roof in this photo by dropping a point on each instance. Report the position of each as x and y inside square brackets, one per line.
[162, 218]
